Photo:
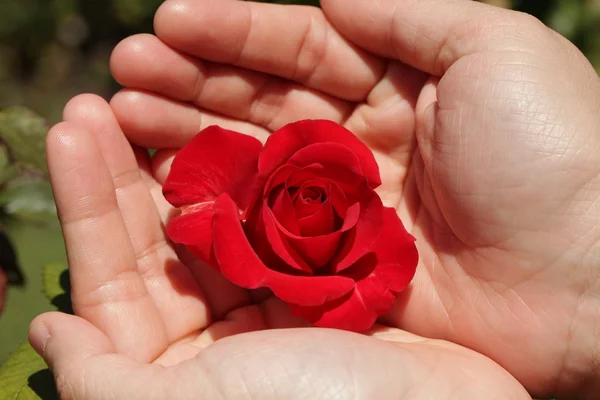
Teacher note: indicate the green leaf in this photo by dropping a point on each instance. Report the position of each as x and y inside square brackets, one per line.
[52, 276]
[26, 393]
[7, 171]
[57, 286]
[24, 376]
[28, 199]
[24, 134]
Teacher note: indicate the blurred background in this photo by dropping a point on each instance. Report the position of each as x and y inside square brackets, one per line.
[51, 50]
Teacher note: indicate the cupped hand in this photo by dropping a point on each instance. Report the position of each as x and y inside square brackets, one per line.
[485, 126]
[152, 323]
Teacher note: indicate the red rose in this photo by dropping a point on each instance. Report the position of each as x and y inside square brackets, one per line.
[298, 215]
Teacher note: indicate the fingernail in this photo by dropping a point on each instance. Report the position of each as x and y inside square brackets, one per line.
[39, 335]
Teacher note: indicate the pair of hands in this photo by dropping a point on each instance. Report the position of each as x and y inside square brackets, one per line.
[485, 126]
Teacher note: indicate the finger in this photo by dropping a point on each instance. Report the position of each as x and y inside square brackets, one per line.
[430, 34]
[222, 295]
[168, 281]
[83, 361]
[66, 340]
[144, 62]
[156, 122]
[292, 42]
[107, 289]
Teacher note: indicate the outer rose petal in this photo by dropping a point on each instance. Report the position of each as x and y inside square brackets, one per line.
[351, 315]
[240, 264]
[379, 277]
[194, 229]
[327, 153]
[215, 161]
[282, 144]
[396, 253]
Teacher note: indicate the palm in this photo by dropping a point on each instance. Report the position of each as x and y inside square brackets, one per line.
[496, 245]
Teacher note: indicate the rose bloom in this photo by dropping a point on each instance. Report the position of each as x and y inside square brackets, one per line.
[298, 215]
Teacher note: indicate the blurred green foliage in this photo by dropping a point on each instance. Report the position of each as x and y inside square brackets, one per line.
[51, 50]
[578, 20]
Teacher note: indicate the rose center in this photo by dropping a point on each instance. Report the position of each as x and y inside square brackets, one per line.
[311, 195]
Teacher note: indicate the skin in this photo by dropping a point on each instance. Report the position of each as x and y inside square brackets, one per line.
[485, 126]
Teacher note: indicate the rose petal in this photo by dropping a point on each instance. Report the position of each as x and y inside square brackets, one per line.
[363, 236]
[193, 228]
[315, 218]
[338, 200]
[280, 246]
[319, 250]
[215, 161]
[377, 284]
[337, 196]
[396, 253]
[351, 184]
[282, 144]
[284, 211]
[301, 175]
[379, 277]
[254, 228]
[303, 209]
[333, 154]
[240, 264]
[309, 188]
[351, 314]
[320, 223]
[345, 180]
[280, 177]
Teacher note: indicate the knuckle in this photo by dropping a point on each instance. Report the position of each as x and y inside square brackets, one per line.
[519, 31]
[312, 49]
[529, 21]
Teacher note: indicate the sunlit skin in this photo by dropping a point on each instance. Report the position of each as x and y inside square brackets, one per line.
[486, 129]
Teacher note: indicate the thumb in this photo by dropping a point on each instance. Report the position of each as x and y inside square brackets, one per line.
[431, 35]
[66, 341]
[85, 364]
